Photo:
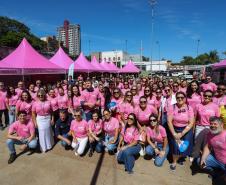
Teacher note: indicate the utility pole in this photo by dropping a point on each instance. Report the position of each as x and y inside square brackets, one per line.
[141, 50]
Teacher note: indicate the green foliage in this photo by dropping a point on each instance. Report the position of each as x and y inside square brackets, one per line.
[12, 32]
[202, 59]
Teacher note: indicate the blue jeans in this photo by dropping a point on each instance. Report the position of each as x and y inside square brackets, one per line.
[158, 160]
[127, 156]
[12, 142]
[88, 116]
[97, 146]
[12, 114]
[63, 143]
[110, 147]
[212, 163]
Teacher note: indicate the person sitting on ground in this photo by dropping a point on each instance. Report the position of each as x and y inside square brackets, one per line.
[21, 132]
[62, 129]
[214, 154]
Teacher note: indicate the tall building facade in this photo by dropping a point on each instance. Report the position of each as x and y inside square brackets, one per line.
[70, 36]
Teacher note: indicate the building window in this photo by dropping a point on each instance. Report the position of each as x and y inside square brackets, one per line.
[109, 59]
[119, 59]
[113, 58]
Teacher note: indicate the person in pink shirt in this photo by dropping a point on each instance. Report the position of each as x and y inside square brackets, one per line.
[38, 84]
[76, 97]
[62, 99]
[125, 87]
[11, 100]
[54, 105]
[208, 85]
[3, 108]
[180, 123]
[90, 100]
[143, 111]
[126, 107]
[158, 100]
[129, 147]
[154, 87]
[80, 132]
[149, 95]
[111, 129]
[24, 104]
[20, 88]
[214, 154]
[104, 95]
[136, 96]
[193, 94]
[176, 87]
[21, 132]
[32, 91]
[204, 111]
[157, 141]
[96, 135]
[70, 102]
[118, 99]
[220, 97]
[183, 86]
[43, 120]
[57, 86]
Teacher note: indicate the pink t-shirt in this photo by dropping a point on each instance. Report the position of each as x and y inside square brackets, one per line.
[204, 112]
[218, 144]
[80, 129]
[42, 108]
[143, 115]
[130, 135]
[53, 102]
[110, 126]
[77, 101]
[158, 103]
[151, 101]
[95, 127]
[22, 130]
[2, 100]
[209, 86]
[181, 116]
[136, 100]
[36, 89]
[156, 137]
[24, 106]
[12, 101]
[125, 90]
[194, 100]
[220, 101]
[90, 97]
[117, 101]
[19, 91]
[126, 108]
[33, 95]
[183, 89]
[102, 99]
[62, 101]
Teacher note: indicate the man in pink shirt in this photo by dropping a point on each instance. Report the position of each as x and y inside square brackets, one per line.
[20, 88]
[214, 154]
[3, 108]
[208, 85]
[21, 132]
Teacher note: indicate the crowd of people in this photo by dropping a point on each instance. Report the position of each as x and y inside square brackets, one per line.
[124, 116]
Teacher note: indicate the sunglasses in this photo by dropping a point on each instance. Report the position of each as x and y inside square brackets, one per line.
[77, 115]
[131, 118]
[220, 89]
[146, 90]
[180, 97]
[153, 120]
[207, 96]
[116, 92]
[143, 101]
[167, 90]
[129, 95]
[133, 89]
[158, 92]
[40, 95]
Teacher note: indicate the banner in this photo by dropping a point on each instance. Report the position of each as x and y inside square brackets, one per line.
[71, 70]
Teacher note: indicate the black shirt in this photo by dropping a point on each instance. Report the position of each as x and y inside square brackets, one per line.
[62, 127]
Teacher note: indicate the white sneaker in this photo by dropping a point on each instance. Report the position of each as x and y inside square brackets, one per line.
[106, 149]
[142, 152]
[76, 154]
[191, 159]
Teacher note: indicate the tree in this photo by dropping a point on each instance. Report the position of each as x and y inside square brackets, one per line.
[187, 60]
[12, 32]
[224, 53]
[213, 56]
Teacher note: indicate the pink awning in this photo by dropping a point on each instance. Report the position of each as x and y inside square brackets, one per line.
[26, 60]
[61, 59]
[130, 68]
[96, 64]
[221, 64]
[83, 65]
[113, 67]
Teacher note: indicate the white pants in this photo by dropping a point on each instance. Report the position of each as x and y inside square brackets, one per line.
[80, 145]
[199, 128]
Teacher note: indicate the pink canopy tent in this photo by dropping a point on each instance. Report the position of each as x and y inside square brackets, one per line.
[130, 68]
[83, 65]
[25, 60]
[61, 59]
[221, 64]
[96, 64]
[113, 67]
[106, 67]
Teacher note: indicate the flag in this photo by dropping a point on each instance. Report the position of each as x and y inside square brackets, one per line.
[71, 71]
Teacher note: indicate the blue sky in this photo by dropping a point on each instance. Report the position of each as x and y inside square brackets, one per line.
[178, 24]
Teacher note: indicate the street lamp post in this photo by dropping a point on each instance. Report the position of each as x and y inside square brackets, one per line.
[152, 3]
[198, 41]
[158, 43]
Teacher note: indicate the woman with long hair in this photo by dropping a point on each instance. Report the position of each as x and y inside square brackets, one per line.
[157, 141]
[129, 146]
[193, 94]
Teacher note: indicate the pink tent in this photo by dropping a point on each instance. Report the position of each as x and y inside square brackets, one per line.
[96, 64]
[61, 59]
[106, 67]
[113, 67]
[130, 68]
[221, 64]
[83, 65]
[25, 60]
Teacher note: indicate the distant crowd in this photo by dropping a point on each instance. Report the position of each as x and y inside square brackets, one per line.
[153, 117]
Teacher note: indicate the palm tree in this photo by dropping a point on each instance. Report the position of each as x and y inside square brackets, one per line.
[213, 56]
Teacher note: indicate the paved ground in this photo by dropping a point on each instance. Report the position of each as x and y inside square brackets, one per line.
[60, 167]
